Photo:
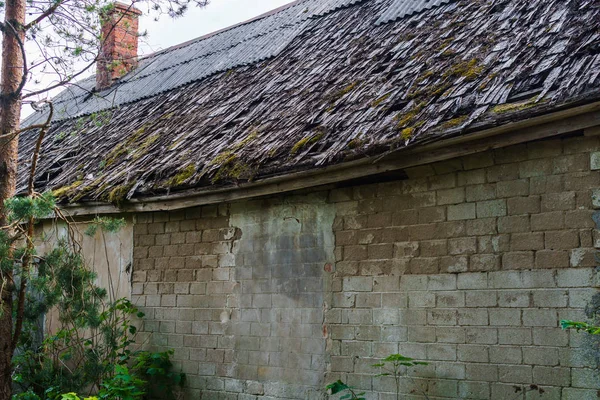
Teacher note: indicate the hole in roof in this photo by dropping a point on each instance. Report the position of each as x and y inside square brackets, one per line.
[395, 107]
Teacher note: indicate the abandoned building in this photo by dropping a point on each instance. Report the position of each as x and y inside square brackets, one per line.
[340, 180]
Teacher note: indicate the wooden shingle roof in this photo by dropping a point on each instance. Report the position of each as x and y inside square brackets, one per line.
[357, 79]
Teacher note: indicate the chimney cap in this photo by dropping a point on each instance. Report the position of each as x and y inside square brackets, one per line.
[126, 8]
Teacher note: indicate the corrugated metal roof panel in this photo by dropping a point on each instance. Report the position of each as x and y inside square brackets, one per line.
[241, 45]
[404, 8]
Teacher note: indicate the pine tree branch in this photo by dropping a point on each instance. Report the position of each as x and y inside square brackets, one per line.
[44, 15]
[30, 232]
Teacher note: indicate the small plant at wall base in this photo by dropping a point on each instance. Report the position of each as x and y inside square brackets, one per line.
[349, 392]
[393, 365]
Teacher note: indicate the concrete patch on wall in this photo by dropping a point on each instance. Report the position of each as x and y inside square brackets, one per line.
[281, 264]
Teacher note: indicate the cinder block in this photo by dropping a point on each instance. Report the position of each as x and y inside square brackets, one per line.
[550, 298]
[441, 352]
[482, 372]
[540, 356]
[562, 240]
[450, 299]
[385, 317]
[561, 201]
[505, 317]
[515, 336]
[406, 249]
[424, 265]
[450, 335]
[491, 208]
[460, 246]
[480, 192]
[433, 248]
[472, 177]
[494, 244]
[574, 277]
[585, 378]
[527, 241]
[540, 317]
[442, 317]
[555, 337]
[454, 264]
[551, 259]
[462, 211]
[515, 373]
[421, 334]
[524, 205]
[472, 281]
[481, 226]
[515, 223]
[518, 260]
[481, 298]
[502, 172]
[442, 282]
[579, 394]
[473, 316]
[556, 376]
[358, 284]
[413, 282]
[473, 390]
[485, 262]
[505, 355]
[481, 335]
[547, 221]
[514, 188]
[534, 168]
[514, 298]
[473, 353]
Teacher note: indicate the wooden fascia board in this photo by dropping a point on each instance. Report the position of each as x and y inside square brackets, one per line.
[546, 126]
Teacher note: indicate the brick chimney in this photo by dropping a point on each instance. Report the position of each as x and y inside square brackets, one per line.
[118, 50]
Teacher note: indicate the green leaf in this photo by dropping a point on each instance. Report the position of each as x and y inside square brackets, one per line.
[337, 387]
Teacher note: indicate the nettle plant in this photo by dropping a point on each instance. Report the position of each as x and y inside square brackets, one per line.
[394, 365]
[89, 348]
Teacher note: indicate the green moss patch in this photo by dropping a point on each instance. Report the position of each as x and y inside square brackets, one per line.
[377, 102]
[470, 70]
[306, 141]
[333, 98]
[454, 122]
[512, 107]
[182, 176]
[119, 193]
[66, 190]
[229, 164]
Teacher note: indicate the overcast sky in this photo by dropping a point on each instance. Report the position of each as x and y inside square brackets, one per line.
[217, 15]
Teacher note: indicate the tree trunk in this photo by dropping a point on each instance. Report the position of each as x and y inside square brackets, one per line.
[10, 115]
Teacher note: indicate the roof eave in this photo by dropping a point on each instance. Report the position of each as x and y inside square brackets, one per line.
[582, 117]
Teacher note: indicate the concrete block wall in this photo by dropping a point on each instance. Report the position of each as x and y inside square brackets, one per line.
[238, 291]
[469, 264]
